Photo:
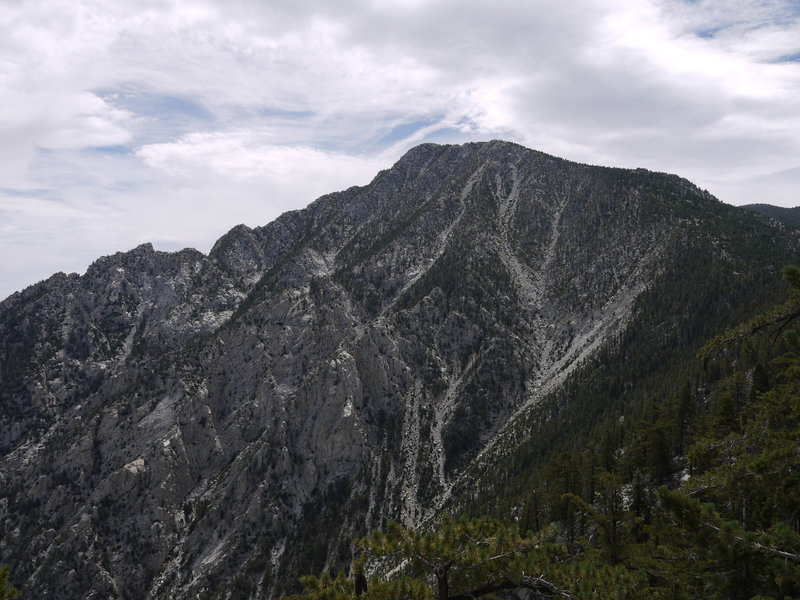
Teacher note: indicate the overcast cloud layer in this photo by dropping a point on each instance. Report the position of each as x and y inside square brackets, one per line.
[172, 121]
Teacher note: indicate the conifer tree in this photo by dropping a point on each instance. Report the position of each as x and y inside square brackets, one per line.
[470, 559]
[7, 592]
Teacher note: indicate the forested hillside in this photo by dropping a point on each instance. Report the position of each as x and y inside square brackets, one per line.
[789, 216]
[696, 496]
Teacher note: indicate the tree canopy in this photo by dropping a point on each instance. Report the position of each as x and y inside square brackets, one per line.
[7, 592]
[467, 559]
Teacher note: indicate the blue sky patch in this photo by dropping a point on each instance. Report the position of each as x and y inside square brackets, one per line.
[710, 33]
[789, 58]
[34, 193]
[403, 131]
[116, 150]
[277, 113]
[155, 106]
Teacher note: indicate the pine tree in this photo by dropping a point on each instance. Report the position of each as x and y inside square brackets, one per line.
[7, 592]
[470, 559]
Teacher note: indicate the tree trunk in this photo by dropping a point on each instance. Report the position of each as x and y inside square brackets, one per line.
[443, 592]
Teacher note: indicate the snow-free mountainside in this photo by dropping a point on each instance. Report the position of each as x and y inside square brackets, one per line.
[175, 425]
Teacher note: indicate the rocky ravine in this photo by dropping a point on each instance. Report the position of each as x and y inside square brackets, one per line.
[190, 426]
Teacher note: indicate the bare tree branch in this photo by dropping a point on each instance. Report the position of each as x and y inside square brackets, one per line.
[538, 585]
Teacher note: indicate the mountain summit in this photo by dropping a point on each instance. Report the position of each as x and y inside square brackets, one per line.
[181, 425]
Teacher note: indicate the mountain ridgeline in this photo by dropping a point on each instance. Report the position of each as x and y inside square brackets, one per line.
[175, 425]
[789, 216]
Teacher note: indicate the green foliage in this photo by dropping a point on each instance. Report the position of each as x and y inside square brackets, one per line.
[726, 557]
[7, 592]
[472, 558]
[774, 321]
[732, 529]
[461, 556]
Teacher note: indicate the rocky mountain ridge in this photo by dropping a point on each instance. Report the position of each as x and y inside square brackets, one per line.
[181, 425]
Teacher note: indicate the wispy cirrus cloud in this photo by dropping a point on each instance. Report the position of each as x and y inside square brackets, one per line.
[172, 120]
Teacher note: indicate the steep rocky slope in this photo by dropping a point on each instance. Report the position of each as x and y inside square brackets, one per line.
[182, 426]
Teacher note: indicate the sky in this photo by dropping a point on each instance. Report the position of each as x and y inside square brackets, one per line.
[171, 121]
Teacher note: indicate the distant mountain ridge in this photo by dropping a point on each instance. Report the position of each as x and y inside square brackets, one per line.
[174, 425]
[790, 216]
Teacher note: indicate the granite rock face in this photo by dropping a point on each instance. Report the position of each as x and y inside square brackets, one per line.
[190, 426]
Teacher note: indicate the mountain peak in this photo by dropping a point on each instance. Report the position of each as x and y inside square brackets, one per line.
[183, 422]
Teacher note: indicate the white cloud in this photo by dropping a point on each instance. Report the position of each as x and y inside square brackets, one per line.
[235, 110]
[243, 154]
[83, 121]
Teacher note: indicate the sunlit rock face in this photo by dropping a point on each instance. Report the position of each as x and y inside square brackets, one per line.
[175, 425]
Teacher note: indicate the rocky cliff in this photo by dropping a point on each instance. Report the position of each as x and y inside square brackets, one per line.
[191, 426]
